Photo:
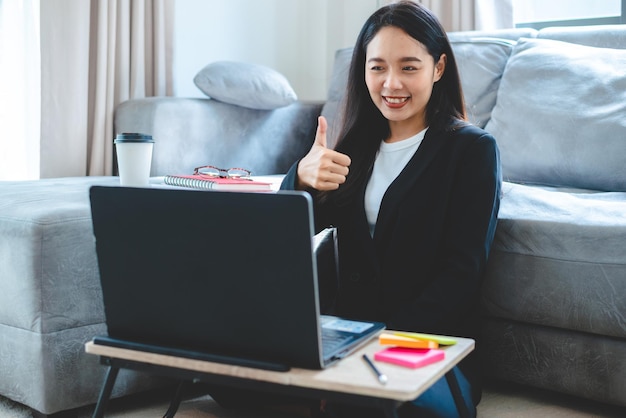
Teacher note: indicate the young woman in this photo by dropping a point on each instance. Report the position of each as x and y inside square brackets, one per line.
[413, 190]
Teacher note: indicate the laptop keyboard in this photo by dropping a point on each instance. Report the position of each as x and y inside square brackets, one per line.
[332, 340]
[339, 336]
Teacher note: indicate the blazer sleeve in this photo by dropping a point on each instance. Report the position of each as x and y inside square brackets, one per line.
[289, 183]
[290, 179]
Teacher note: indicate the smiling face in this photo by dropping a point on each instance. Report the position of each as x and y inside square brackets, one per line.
[400, 74]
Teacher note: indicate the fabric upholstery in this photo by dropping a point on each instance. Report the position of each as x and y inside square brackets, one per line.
[604, 36]
[51, 372]
[46, 227]
[576, 138]
[556, 359]
[509, 34]
[51, 299]
[559, 260]
[336, 91]
[193, 132]
[245, 84]
[481, 62]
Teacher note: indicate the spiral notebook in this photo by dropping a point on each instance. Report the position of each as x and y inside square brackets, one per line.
[221, 276]
[216, 183]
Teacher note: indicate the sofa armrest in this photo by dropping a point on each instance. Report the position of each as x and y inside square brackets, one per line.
[190, 132]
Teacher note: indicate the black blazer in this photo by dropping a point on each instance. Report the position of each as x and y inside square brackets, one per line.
[422, 270]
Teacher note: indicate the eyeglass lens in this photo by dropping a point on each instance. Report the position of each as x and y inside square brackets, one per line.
[220, 172]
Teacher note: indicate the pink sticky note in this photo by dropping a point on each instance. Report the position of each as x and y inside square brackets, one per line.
[410, 357]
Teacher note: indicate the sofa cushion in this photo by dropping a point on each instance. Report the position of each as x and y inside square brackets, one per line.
[245, 84]
[559, 248]
[481, 62]
[47, 255]
[603, 36]
[560, 116]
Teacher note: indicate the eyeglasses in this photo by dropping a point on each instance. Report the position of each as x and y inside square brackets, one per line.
[231, 173]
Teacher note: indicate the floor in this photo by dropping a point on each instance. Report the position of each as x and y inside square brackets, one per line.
[500, 400]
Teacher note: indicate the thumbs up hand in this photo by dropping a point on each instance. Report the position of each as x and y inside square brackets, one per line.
[322, 168]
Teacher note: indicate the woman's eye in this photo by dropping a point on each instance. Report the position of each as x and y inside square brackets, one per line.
[376, 68]
[409, 68]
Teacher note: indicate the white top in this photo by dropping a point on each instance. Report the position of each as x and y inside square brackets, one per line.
[390, 161]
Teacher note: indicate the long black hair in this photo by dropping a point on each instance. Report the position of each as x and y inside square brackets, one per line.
[363, 125]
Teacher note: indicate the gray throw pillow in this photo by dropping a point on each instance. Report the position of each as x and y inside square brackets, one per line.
[245, 84]
[481, 62]
[560, 115]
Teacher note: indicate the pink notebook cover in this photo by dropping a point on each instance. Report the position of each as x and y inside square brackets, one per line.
[410, 357]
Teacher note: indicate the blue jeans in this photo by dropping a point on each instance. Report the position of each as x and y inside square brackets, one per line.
[436, 402]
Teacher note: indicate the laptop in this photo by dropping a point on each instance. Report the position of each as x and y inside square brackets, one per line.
[222, 276]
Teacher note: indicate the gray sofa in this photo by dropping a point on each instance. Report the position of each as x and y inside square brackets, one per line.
[555, 290]
[554, 305]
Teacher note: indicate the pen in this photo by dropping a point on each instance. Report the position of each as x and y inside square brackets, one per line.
[381, 377]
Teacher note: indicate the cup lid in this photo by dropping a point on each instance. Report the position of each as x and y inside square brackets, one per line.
[132, 137]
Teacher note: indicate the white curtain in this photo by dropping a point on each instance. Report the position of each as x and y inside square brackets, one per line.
[78, 61]
[19, 89]
[130, 57]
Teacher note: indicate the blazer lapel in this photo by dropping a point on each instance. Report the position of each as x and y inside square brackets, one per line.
[431, 145]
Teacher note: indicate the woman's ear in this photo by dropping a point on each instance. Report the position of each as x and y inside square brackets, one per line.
[440, 67]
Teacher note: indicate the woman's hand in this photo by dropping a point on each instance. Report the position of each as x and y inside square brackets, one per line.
[322, 168]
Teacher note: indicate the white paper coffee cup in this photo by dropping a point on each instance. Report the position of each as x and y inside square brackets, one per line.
[134, 158]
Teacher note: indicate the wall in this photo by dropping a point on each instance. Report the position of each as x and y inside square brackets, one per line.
[296, 37]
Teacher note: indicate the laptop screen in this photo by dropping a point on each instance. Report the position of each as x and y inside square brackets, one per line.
[222, 272]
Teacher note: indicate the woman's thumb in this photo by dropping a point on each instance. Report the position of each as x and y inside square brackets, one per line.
[320, 135]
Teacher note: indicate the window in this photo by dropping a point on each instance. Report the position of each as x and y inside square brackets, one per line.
[541, 13]
[19, 90]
